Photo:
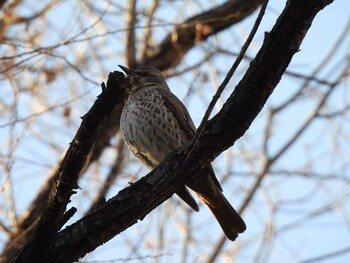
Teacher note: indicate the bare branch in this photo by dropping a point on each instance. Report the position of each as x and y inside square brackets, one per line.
[70, 168]
[196, 29]
[333, 254]
[230, 73]
[130, 41]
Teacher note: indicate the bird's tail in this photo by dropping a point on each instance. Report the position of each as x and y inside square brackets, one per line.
[230, 221]
[210, 193]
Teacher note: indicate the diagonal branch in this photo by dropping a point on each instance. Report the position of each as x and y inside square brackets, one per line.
[77, 155]
[250, 95]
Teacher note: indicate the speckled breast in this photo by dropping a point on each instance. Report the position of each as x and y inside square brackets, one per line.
[149, 128]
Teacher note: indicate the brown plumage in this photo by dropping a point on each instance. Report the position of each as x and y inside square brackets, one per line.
[154, 122]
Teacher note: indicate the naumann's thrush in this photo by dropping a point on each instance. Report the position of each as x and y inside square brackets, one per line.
[154, 122]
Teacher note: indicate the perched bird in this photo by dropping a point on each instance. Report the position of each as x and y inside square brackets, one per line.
[154, 122]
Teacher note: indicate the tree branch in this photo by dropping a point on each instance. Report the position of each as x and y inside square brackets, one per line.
[250, 95]
[72, 164]
[195, 29]
[130, 40]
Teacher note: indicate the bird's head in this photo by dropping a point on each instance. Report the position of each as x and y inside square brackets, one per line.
[144, 77]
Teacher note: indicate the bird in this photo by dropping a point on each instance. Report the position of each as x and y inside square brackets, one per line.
[153, 123]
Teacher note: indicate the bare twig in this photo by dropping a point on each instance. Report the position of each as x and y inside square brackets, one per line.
[230, 73]
[130, 40]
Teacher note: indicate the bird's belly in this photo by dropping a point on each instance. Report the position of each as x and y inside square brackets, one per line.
[150, 131]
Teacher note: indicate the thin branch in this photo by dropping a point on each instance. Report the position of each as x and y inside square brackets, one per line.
[287, 73]
[230, 73]
[195, 29]
[5, 229]
[148, 28]
[41, 13]
[330, 255]
[130, 40]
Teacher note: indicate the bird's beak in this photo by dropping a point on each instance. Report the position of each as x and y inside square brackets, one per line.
[128, 71]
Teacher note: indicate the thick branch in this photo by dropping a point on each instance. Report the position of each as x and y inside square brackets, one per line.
[136, 201]
[72, 164]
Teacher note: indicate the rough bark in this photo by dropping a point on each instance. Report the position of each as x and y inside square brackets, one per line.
[66, 180]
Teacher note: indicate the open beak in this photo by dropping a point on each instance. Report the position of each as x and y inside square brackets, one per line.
[128, 71]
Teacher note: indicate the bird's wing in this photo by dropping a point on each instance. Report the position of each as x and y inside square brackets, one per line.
[179, 111]
[185, 121]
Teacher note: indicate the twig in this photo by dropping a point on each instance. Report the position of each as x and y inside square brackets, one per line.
[229, 74]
